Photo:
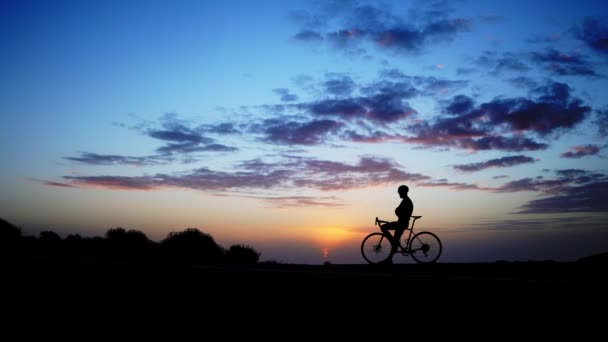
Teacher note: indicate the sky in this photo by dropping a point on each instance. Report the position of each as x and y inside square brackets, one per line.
[289, 125]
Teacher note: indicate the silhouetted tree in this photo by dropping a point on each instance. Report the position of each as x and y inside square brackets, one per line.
[193, 243]
[242, 254]
[10, 238]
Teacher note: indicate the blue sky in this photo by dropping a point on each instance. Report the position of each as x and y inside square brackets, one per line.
[289, 125]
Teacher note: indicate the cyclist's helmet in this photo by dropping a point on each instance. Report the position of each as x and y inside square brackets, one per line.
[403, 188]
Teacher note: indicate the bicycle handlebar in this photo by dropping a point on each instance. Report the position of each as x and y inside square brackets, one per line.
[379, 221]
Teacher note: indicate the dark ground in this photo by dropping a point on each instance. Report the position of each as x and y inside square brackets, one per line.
[105, 295]
[270, 282]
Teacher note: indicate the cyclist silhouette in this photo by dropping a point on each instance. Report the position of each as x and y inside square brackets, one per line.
[403, 212]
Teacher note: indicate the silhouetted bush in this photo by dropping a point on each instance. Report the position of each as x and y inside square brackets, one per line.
[242, 254]
[193, 243]
[128, 242]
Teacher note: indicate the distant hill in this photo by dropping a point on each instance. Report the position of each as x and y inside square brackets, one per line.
[601, 258]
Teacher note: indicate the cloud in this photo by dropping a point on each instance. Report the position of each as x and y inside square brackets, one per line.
[339, 85]
[499, 162]
[523, 82]
[286, 96]
[58, 184]
[594, 33]
[499, 64]
[450, 185]
[301, 201]
[573, 190]
[386, 106]
[581, 151]
[299, 133]
[354, 24]
[545, 223]
[110, 159]
[503, 124]
[601, 121]
[412, 86]
[115, 182]
[308, 36]
[564, 64]
[286, 173]
[187, 147]
[180, 138]
[584, 198]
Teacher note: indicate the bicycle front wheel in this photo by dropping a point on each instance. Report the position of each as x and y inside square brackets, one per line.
[376, 248]
[425, 247]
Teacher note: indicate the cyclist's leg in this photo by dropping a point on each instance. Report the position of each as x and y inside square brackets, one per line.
[400, 228]
[394, 242]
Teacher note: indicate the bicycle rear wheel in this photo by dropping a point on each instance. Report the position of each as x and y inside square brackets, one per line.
[425, 247]
[376, 248]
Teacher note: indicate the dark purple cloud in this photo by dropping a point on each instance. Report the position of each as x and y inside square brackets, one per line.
[299, 133]
[459, 105]
[573, 190]
[581, 151]
[180, 138]
[584, 198]
[564, 64]
[594, 32]
[356, 23]
[381, 108]
[339, 85]
[344, 108]
[499, 162]
[503, 123]
[404, 37]
[566, 179]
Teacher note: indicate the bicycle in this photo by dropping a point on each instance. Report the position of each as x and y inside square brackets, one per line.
[423, 247]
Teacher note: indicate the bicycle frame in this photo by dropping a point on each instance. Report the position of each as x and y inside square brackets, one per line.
[403, 249]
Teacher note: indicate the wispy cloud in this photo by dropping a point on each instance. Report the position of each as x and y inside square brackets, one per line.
[112, 159]
[498, 64]
[581, 151]
[288, 173]
[499, 163]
